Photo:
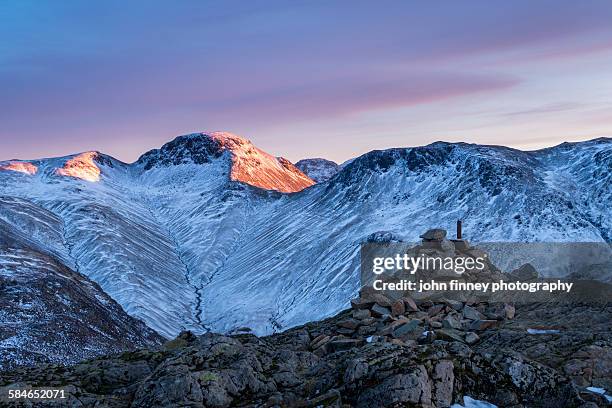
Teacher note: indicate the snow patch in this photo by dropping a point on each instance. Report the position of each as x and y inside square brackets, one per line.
[600, 391]
[542, 331]
[469, 402]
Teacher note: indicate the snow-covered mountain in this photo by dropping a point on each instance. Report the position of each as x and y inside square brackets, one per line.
[48, 312]
[248, 164]
[201, 234]
[318, 169]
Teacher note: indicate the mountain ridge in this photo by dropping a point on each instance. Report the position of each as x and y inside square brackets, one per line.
[186, 247]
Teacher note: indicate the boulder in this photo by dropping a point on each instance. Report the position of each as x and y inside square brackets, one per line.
[366, 330]
[454, 304]
[356, 369]
[361, 303]
[368, 321]
[348, 324]
[398, 308]
[410, 304]
[435, 309]
[382, 300]
[379, 311]
[407, 328]
[500, 311]
[471, 338]
[449, 335]
[435, 234]
[472, 314]
[480, 325]
[451, 321]
[344, 331]
[361, 314]
[319, 341]
[386, 331]
[443, 379]
[411, 388]
[524, 273]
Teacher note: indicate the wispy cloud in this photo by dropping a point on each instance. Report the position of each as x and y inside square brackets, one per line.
[74, 68]
[548, 108]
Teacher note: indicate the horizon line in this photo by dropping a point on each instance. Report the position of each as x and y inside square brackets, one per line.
[544, 147]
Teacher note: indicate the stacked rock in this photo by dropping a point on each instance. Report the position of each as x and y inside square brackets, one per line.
[379, 318]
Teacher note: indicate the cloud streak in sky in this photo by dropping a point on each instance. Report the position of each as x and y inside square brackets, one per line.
[350, 96]
[123, 77]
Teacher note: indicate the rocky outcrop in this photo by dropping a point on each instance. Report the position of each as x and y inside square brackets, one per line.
[320, 170]
[358, 358]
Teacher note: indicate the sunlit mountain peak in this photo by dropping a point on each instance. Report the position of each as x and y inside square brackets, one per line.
[20, 167]
[249, 164]
[82, 166]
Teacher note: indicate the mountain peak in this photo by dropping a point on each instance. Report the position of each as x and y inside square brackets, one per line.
[82, 166]
[19, 167]
[249, 164]
[196, 148]
[318, 169]
[219, 139]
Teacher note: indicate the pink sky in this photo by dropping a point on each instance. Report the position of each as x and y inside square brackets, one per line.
[302, 79]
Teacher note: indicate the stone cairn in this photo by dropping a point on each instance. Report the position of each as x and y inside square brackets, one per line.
[378, 317]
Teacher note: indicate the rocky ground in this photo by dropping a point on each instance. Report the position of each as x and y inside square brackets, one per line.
[387, 350]
[379, 353]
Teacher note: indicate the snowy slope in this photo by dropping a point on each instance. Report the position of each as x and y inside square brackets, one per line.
[186, 238]
[111, 237]
[49, 313]
[310, 241]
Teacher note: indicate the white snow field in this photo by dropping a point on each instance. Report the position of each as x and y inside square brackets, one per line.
[211, 233]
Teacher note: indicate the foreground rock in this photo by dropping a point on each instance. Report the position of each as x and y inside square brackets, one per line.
[351, 359]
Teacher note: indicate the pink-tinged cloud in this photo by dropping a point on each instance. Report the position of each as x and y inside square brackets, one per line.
[348, 96]
[119, 77]
[547, 109]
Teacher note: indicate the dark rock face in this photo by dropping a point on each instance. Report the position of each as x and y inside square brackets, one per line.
[580, 347]
[319, 170]
[524, 273]
[320, 365]
[195, 148]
